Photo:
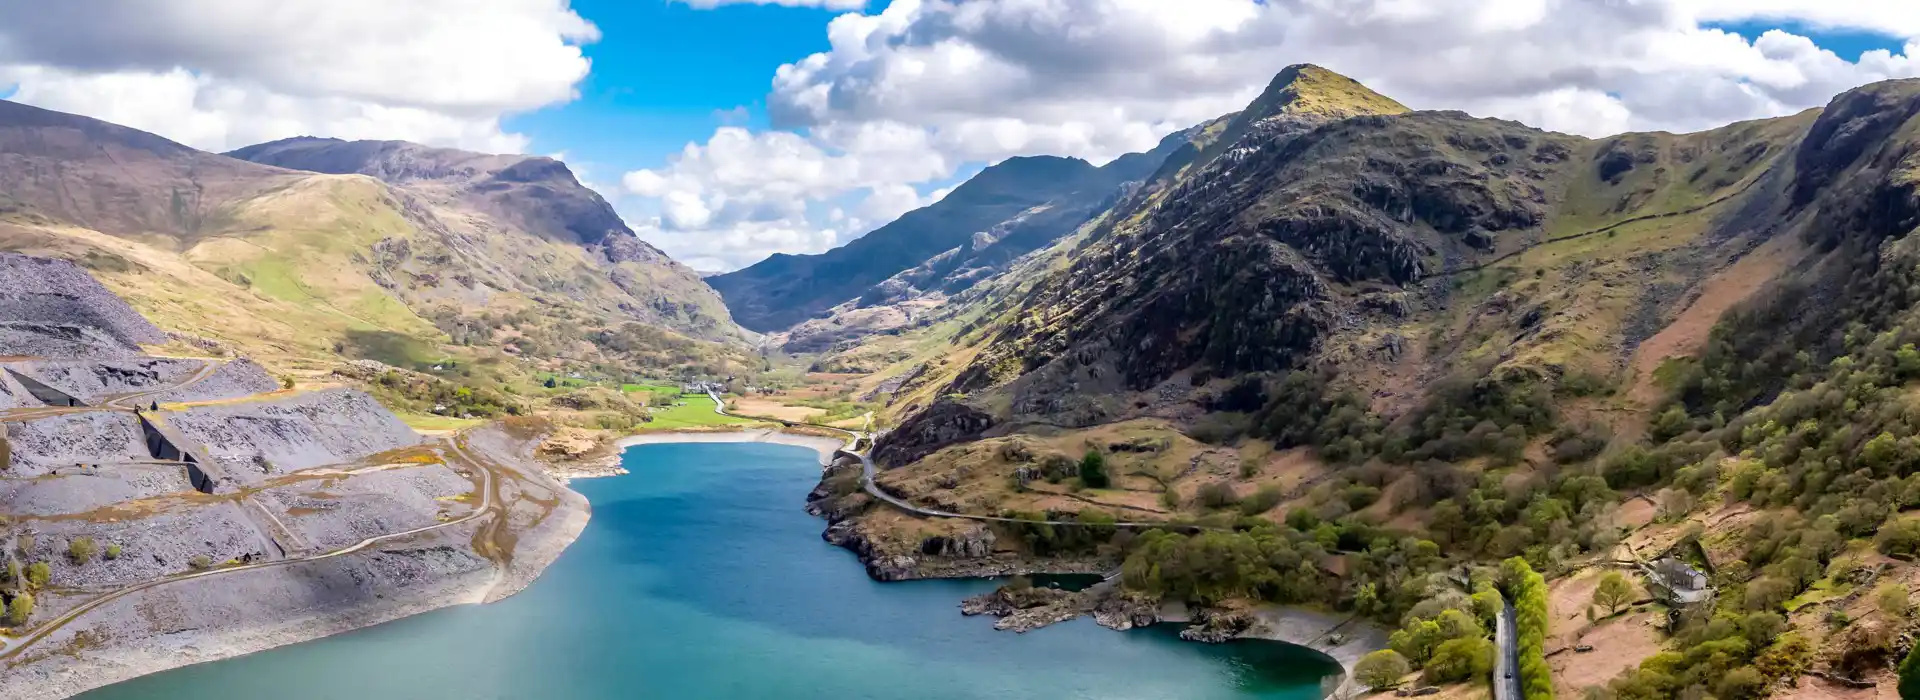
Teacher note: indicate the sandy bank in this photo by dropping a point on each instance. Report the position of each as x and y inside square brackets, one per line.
[823, 445]
[1316, 630]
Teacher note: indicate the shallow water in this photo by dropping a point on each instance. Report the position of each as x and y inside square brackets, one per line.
[700, 577]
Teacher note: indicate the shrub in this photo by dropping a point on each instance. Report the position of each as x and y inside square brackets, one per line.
[39, 574]
[1910, 677]
[80, 549]
[1093, 470]
[20, 609]
[200, 562]
[113, 551]
[1900, 537]
[1381, 669]
[1457, 660]
[1216, 495]
[1261, 501]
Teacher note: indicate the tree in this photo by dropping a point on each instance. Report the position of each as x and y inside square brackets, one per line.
[1093, 470]
[1381, 669]
[1910, 677]
[1461, 659]
[20, 609]
[80, 549]
[39, 574]
[1613, 592]
[550, 383]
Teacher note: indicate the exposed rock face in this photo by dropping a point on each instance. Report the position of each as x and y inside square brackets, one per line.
[1217, 626]
[255, 439]
[53, 308]
[1125, 611]
[942, 424]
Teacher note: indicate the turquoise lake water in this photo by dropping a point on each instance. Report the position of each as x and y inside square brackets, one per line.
[700, 577]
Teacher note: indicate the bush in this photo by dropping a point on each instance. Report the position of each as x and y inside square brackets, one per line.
[1261, 501]
[80, 549]
[1910, 677]
[1458, 660]
[1900, 537]
[1381, 669]
[113, 552]
[1216, 495]
[1093, 470]
[20, 609]
[39, 574]
[200, 562]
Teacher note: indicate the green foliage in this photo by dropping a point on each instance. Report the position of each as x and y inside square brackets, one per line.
[1900, 538]
[200, 562]
[39, 574]
[1457, 660]
[113, 552]
[1529, 591]
[1216, 495]
[1262, 500]
[20, 609]
[1381, 669]
[1093, 470]
[1420, 638]
[80, 549]
[1612, 592]
[1093, 528]
[1910, 676]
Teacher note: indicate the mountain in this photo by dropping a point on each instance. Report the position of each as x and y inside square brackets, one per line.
[1351, 349]
[327, 251]
[1007, 210]
[533, 195]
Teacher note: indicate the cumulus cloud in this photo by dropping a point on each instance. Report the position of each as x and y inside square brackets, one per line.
[828, 4]
[219, 74]
[944, 83]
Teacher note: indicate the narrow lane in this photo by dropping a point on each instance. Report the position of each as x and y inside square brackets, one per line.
[1506, 664]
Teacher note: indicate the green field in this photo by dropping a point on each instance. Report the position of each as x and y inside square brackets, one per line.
[697, 413]
[427, 421]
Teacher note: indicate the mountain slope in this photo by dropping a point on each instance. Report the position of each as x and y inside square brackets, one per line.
[1391, 246]
[305, 269]
[480, 196]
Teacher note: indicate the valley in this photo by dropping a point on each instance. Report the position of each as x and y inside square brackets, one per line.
[1470, 407]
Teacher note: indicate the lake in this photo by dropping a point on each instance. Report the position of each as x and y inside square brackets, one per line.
[700, 576]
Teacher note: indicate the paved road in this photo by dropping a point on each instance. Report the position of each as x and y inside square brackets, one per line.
[1506, 664]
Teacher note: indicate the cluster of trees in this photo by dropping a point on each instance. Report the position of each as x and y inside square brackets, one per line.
[421, 393]
[1092, 529]
[1385, 575]
[1475, 412]
[1726, 655]
[1529, 592]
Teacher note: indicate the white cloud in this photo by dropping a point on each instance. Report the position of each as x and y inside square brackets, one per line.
[827, 4]
[943, 83]
[219, 74]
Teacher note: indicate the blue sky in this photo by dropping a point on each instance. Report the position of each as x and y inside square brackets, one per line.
[661, 72]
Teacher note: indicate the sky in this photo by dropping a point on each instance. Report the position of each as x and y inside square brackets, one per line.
[727, 130]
